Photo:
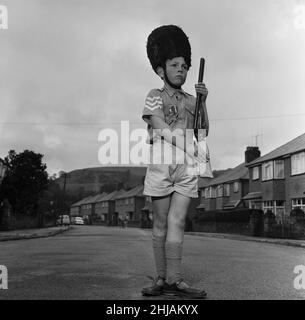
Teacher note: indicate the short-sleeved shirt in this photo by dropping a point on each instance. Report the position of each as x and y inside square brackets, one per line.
[174, 106]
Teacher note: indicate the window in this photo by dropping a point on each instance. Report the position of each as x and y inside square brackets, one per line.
[203, 193]
[220, 191]
[255, 173]
[236, 186]
[126, 201]
[277, 207]
[298, 163]
[207, 193]
[226, 190]
[279, 169]
[131, 201]
[267, 170]
[213, 191]
[298, 203]
[268, 205]
[106, 204]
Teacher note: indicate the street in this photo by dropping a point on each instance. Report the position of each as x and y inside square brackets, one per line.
[94, 262]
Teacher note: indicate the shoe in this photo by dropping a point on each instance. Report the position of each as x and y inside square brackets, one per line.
[156, 289]
[183, 290]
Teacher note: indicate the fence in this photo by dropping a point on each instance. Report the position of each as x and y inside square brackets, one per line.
[251, 222]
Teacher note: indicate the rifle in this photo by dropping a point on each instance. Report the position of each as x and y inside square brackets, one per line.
[199, 113]
[204, 169]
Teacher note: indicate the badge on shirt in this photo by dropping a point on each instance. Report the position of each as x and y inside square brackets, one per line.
[173, 110]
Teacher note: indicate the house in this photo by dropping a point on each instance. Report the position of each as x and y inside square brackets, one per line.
[228, 189]
[105, 208]
[128, 205]
[75, 208]
[277, 179]
[147, 213]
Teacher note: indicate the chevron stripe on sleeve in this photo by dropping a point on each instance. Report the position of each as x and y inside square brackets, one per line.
[153, 103]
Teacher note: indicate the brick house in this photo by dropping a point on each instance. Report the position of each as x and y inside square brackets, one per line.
[128, 205]
[87, 208]
[227, 190]
[75, 208]
[105, 208]
[277, 179]
[147, 213]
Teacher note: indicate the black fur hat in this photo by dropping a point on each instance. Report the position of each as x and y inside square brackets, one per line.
[167, 42]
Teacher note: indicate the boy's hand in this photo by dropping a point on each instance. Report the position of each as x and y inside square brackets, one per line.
[201, 89]
[200, 153]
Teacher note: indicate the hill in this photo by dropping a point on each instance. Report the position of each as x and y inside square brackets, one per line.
[88, 181]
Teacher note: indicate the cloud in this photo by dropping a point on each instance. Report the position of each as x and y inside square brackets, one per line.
[71, 68]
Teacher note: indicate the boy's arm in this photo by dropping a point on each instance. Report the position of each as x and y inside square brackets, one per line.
[206, 118]
[158, 123]
[176, 139]
[201, 89]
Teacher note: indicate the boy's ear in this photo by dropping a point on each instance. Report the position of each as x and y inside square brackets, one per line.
[160, 72]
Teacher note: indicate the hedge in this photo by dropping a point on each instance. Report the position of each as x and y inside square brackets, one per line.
[238, 216]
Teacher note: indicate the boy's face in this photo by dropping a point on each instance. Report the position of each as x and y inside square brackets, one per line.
[176, 71]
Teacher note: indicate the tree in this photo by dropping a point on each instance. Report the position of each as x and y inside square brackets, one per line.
[25, 181]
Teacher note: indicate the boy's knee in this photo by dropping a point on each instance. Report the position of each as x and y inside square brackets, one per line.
[176, 222]
[160, 226]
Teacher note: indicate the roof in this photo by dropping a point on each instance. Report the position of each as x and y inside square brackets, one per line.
[232, 204]
[80, 202]
[203, 182]
[111, 195]
[253, 195]
[293, 146]
[100, 196]
[135, 192]
[91, 199]
[237, 173]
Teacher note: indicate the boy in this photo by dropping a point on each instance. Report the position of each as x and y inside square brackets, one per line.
[170, 186]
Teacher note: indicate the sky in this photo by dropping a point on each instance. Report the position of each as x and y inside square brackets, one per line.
[70, 69]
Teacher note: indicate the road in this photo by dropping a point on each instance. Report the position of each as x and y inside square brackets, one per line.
[93, 262]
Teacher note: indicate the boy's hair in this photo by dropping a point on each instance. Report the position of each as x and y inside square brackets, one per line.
[167, 42]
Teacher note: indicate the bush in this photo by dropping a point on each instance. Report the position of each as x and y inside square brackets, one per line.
[233, 216]
[297, 213]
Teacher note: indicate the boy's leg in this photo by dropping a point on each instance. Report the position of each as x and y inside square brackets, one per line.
[173, 248]
[175, 234]
[160, 212]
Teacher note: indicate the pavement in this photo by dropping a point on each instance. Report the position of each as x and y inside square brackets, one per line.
[32, 233]
[52, 231]
[286, 242]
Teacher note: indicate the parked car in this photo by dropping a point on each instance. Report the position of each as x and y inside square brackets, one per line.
[63, 220]
[79, 220]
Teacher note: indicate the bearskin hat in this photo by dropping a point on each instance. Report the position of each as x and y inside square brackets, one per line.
[167, 42]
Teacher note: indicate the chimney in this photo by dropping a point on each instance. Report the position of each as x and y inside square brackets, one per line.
[251, 154]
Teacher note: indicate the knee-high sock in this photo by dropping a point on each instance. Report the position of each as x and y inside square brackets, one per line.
[173, 253]
[159, 254]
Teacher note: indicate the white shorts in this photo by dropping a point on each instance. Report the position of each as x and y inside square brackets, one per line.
[163, 179]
